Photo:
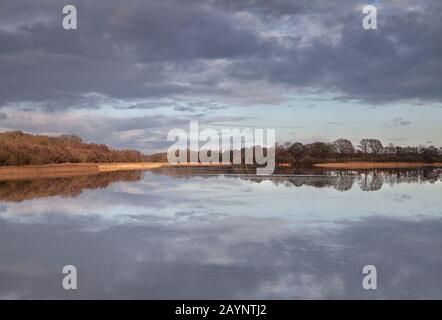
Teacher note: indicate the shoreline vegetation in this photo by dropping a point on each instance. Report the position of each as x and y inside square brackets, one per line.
[27, 156]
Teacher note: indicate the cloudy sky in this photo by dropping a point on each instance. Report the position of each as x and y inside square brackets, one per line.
[135, 69]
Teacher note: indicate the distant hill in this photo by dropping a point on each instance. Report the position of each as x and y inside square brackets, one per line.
[18, 148]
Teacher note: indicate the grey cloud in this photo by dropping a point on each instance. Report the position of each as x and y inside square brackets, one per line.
[177, 104]
[398, 122]
[207, 105]
[149, 105]
[119, 51]
[278, 8]
[184, 109]
[153, 49]
[394, 63]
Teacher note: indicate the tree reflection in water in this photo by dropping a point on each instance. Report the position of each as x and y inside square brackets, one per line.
[341, 180]
[20, 190]
[344, 180]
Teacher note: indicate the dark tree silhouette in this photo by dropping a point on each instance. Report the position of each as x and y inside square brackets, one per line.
[363, 145]
[297, 151]
[375, 146]
[344, 147]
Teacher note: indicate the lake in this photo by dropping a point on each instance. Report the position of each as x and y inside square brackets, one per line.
[171, 234]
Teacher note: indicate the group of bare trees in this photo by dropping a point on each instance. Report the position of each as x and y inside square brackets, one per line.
[344, 147]
[299, 154]
[373, 146]
[343, 150]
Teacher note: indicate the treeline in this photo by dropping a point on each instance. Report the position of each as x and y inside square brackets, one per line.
[18, 148]
[344, 150]
[303, 155]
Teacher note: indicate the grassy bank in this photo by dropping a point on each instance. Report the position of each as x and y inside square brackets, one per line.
[71, 169]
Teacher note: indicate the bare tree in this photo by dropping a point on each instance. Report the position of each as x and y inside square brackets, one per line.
[343, 147]
[390, 149]
[320, 149]
[375, 146]
[297, 151]
[363, 145]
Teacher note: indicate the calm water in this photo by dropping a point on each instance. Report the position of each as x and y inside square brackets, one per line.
[175, 235]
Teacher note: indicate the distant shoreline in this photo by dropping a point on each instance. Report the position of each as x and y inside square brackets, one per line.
[377, 165]
[74, 169]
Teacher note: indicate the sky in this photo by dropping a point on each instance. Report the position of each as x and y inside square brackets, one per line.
[134, 70]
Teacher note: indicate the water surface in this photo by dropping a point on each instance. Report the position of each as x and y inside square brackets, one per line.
[170, 234]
